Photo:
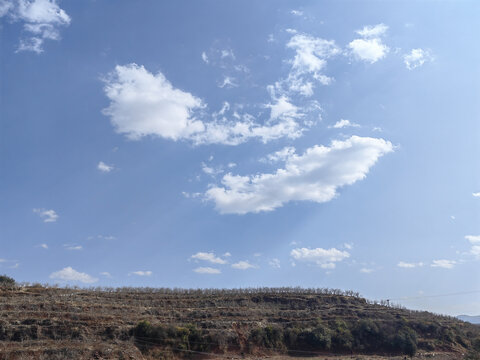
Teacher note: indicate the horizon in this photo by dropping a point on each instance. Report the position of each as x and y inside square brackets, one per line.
[243, 144]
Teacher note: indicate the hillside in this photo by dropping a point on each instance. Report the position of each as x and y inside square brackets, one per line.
[59, 323]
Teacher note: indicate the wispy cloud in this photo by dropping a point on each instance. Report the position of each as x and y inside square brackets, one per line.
[41, 20]
[408, 265]
[474, 239]
[142, 273]
[207, 270]
[275, 263]
[227, 82]
[297, 12]
[325, 258]
[416, 58]
[366, 270]
[47, 215]
[343, 123]
[104, 167]
[208, 256]
[73, 247]
[446, 264]
[243, 265]
[205, 57]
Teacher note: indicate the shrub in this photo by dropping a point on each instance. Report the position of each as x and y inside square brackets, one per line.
[405, 342]
[6, 281]
[269, 337]
[342, 338]
[318, 338]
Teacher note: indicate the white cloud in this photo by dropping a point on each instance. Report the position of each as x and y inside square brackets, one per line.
[314, 176]
[281, 155]
[43, 246]
[143, 104]
[228, 81]
[142, 273]
[475, 251]
[227, 53]
[104, 167]
[373, 31]
[311, 53]
[191, 195]
[205, 57]
[227, 254]
[41, 21]
[325, 258]
[210, 170]
[366, 270]
[237, 132]
[446, 264]
[348, 246]
[476, 194]
[243, 265]
[296, 12]
[474, 239]
[275, 263]
[416, 58]
[283, 108]
[370, 48]
[342, 123]
[106, 237]
[310, 60]
[69, 274]
[207, 270]
[210, 257]
[106, 274]
[5, 7]
[407, 265]
[73, 247]
[46, 215]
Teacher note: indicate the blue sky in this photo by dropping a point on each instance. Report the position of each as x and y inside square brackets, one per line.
[235, 144]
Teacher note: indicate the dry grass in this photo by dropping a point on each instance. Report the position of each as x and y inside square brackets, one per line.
[59, 323]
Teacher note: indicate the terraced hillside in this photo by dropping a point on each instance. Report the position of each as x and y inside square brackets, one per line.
[63, 323]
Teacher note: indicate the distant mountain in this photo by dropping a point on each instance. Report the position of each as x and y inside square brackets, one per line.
[470, 319]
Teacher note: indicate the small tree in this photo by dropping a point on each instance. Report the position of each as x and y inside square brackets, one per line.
[6, 281]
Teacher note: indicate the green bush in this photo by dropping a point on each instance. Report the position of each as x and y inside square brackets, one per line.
[177, 338]
[6, 281]
[268, 337]
[405, 342]
[342, 339]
